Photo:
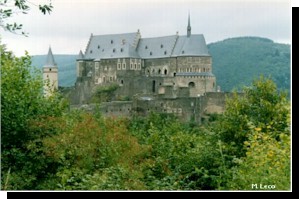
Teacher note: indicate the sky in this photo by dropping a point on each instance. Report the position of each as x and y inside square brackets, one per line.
[68, 28]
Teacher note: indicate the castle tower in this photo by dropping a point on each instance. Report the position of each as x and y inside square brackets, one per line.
[189, 26]
[50, 75]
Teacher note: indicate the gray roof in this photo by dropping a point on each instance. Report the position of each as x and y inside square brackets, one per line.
[50, 59]
[195, 74]
[195, 45]
[157, 47]
[112, 46]
[130, 45]
[80, 56]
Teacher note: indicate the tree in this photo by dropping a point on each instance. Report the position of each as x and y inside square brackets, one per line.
[260, 105]
[8, 8]
[23, 104]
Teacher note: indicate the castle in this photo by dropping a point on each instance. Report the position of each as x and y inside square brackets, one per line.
[171, 74]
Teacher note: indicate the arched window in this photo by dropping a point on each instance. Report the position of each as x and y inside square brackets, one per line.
[159, 71]
[191, 84]
[165, 72]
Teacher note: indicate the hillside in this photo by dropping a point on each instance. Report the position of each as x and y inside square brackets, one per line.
[236, 62]
[66, 67]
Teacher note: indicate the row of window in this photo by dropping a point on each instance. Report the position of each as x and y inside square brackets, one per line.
[159, 71]
[199, 70]
[123, 66]
[200, 77]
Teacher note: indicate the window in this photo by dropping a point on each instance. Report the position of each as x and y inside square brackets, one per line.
[121, 50]
[165, 72]
[124, 66]
[139, 66]
[151, 53]
[159, 71]
[90, 51]
[165, 52]
[122, 81]
[145, 47]
[111, 41]
[118, 66]
[191, 84]
[131, 66]
[111, 79]
[50, 69]
[174, 74]
[99, 47]
[161, 45]
[135, 66]
[114, 50]
[183, 52]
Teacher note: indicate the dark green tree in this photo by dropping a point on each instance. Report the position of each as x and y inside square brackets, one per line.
[22, 105]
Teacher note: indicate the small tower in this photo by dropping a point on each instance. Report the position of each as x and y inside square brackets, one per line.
[188, 27]
[50, 74]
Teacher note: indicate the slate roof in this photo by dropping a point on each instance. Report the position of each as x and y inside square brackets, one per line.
[50, 59]
[111, 46]
[130, 45]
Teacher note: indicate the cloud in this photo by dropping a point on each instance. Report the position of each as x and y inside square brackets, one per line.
[70, 24]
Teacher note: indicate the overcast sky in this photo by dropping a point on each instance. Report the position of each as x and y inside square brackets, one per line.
[69, 26]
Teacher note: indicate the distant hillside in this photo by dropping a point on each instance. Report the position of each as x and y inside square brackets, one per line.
[237, 61]
[66, 67]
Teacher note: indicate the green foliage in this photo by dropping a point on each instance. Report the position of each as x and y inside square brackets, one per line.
[12, 7]
[104, 93]
[56, 149]
[260, 105]
[267, 162]
[89, 150]
[238, 61]
[22, 104]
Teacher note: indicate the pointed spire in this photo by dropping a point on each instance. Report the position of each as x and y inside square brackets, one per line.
[81, 56]
[50, 59]
[189, 26]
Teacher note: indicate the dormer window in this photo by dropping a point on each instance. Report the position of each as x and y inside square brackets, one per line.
[114, 50]
[121, 50]
[90, 51]
[98, 46]
[161, 45]
[145, 47]
[111, 41]
[165, 52]
[183, 52]
[151, 53]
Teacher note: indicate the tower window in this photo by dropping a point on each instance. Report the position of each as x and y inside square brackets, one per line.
[50, 69]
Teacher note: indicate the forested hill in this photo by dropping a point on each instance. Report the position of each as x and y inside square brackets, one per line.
[66, 67]
[237, 61]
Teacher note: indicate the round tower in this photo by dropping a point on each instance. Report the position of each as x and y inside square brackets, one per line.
[50, 75]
